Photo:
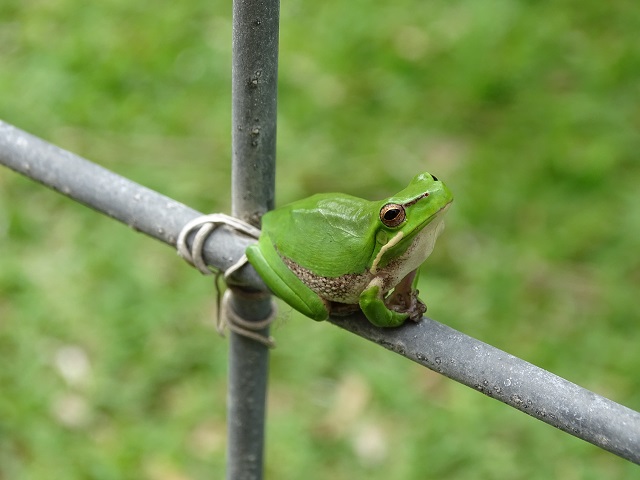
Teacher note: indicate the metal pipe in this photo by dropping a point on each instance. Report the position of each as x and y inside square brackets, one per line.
[254, 103]
[142, 209]
[464, 359]
[511, 380]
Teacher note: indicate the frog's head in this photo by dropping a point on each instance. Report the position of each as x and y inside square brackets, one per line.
[414, 212]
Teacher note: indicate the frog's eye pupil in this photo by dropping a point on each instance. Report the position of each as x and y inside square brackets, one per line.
[392, 214]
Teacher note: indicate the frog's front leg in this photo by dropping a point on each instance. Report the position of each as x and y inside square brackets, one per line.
[404, 298]
[373, 306]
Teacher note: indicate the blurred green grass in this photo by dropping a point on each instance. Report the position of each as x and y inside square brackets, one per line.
[529, 111]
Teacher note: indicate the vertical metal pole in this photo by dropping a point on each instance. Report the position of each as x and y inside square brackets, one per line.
[254, 92]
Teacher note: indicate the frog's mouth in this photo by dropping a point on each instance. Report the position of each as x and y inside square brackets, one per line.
[430, 219]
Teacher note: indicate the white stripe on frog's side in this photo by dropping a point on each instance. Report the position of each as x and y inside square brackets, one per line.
[415, 255]
[391, 243]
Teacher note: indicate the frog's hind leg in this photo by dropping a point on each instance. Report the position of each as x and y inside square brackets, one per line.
[284, 283]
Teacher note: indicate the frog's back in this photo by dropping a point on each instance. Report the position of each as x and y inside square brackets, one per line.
[329, 234]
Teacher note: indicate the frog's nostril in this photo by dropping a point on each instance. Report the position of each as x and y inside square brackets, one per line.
[435, 178]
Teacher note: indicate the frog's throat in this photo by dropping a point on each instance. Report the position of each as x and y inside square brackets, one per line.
[391, 243]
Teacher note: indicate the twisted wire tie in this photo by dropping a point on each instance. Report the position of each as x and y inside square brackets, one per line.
[227, 316]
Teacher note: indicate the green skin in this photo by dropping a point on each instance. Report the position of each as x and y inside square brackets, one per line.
[332, 253]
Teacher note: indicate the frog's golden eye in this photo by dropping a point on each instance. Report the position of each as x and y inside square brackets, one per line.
[392, 214]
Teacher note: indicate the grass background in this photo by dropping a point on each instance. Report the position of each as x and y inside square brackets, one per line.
[529, 110]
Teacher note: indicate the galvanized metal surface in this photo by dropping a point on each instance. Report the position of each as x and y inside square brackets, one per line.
[139, 207]
[471, 362]
[254, 104]
[511, 380]
[246, 396]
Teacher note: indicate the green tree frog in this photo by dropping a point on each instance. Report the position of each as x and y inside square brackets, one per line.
[334, 253]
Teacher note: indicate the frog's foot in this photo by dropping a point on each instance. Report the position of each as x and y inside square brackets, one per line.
[404, 299]
[408, 303]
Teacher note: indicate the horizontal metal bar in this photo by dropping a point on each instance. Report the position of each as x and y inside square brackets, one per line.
[464, 359]
[511, 380]
[139, 207]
